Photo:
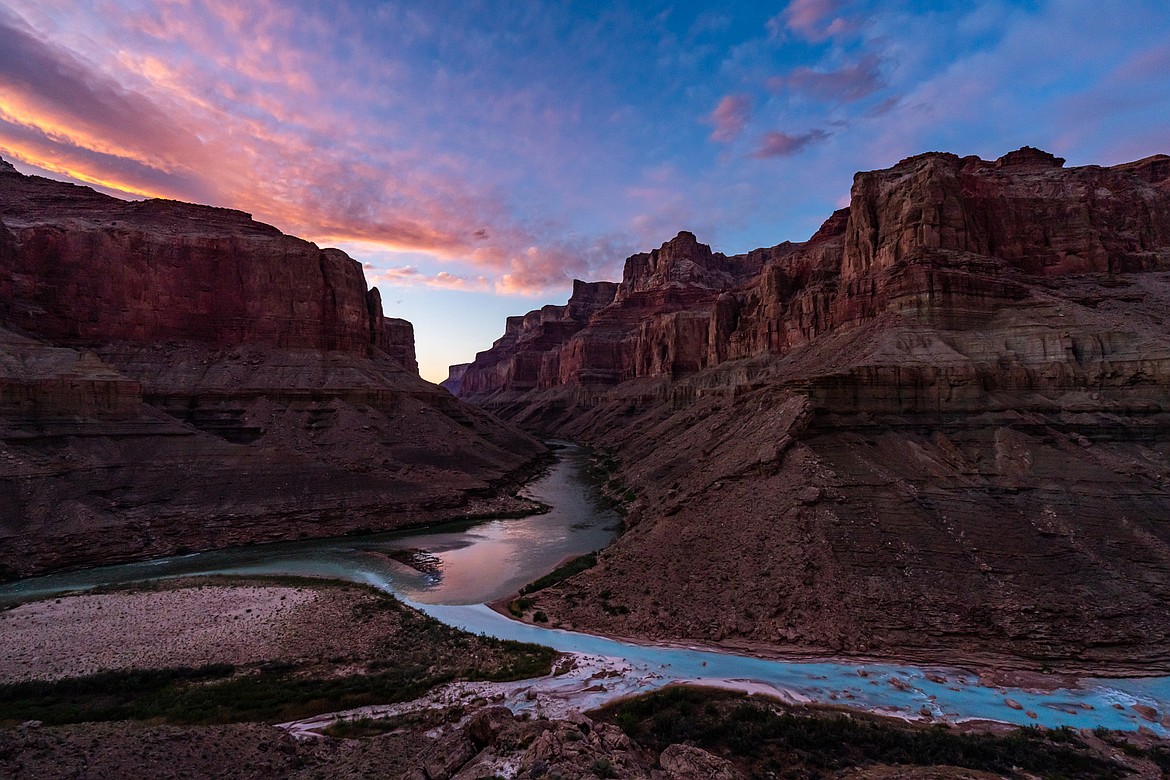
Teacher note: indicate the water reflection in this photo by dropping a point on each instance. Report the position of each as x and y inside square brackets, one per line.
[458, 563]
[449, 572]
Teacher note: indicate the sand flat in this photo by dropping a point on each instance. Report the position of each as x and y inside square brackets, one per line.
[193, 626]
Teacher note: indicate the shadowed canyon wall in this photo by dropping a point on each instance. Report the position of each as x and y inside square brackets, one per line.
[936, 429]
[175, 376]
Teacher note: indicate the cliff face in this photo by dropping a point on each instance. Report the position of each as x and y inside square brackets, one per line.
[454, 380]
[1024, 208]
[176, 376]
[944, 239]
[517, 360]
[936, 429]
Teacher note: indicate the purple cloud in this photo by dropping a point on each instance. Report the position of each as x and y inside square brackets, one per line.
[730, 117]
[844, 85]
[777, 144]
[814, 20]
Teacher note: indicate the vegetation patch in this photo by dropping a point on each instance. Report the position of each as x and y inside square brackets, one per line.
[602, 464]
[202, 696]
[1158, 754]
[517, 607]
[561, 573]
[768, 740]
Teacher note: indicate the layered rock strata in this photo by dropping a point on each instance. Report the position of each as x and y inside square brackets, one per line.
[936, 429]
[517, 359]
[454, 381]
[181, 377]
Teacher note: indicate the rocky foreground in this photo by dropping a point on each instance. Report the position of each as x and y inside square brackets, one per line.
[938, 429]
[177, 377]
[184, 679]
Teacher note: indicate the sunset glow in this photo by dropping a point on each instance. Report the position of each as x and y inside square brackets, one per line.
[477, 157]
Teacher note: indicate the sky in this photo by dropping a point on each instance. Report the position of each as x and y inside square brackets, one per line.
[476, 157]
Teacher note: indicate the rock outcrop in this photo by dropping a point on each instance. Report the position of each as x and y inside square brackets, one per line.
[936, 429]
[176, 376]
[517, 359]
[943, 239]
[454, 381]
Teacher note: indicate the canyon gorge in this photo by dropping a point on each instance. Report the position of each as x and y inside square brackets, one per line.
[937, 429]
[934, 433]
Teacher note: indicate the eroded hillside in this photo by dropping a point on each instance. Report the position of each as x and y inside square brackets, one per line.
[936, 429]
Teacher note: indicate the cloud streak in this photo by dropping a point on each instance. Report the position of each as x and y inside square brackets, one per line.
[411, 276]
[777, 144]
[782, 144]
[843, 85]
[52, 100]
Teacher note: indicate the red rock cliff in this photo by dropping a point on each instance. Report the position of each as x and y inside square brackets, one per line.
[943, 238]
[523, 358]
[83, 268]
[178, 377]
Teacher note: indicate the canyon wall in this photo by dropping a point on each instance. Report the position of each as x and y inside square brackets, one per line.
[938, 429]
[517, 359]
[943, 239]
[180, 377]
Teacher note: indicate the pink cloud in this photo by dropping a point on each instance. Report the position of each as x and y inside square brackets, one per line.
[1144, 66]
[777, 144]
[845, 85]
[730, 117]
[411, 276]
[814, 20]
[554, 264]
[226, 124]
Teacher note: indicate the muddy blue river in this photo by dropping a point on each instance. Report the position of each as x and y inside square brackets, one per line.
[450, 572]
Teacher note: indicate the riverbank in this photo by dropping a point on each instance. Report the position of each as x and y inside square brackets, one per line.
[177, 625]
[326, 635]
[989, 671]
[234, 649]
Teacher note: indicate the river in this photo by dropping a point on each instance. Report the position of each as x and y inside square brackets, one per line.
[456, 568]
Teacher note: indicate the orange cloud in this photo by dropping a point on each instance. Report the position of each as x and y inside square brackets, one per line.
[409, 276]
[233, 115]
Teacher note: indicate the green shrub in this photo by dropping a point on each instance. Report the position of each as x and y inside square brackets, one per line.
[602, 767]
[762, 737]
[519, 606]
[562, 573]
